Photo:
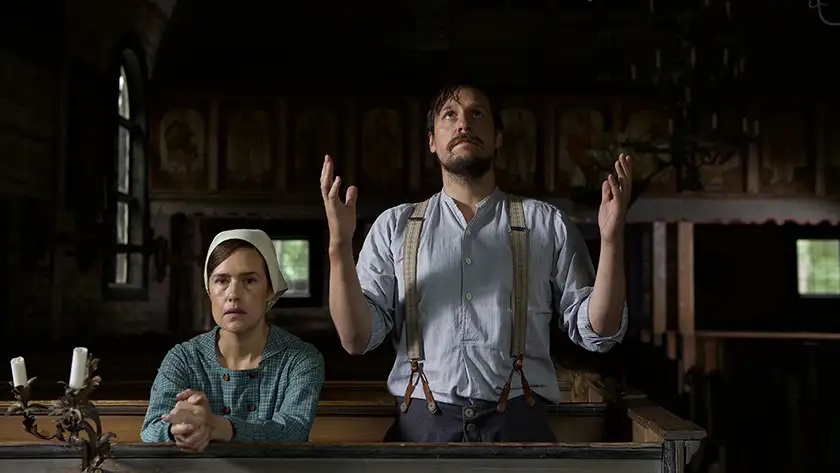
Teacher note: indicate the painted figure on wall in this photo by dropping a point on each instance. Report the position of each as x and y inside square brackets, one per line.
[382, 147]
[248, 147]
[784, 154]
[645, 127]
[316, 134]
[579, 134]
[182, 142]
[517, 158]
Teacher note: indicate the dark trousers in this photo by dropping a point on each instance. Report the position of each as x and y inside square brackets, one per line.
[474, 421]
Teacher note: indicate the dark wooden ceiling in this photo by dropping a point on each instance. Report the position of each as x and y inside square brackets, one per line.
[550, 44]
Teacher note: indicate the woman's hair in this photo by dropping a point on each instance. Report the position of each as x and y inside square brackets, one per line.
[223, 250]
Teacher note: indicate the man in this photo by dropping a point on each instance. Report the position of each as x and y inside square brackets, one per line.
[467, 283]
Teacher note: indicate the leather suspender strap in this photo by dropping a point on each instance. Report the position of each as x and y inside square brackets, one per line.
[411, 244]
[519, 299]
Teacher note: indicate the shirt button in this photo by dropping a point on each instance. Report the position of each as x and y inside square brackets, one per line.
[468, 232]
[226, 377]
[252, 374]
[469, 412]
[468, 296]
[251, 407]
[470, 427]
[226, 410]
[468, 261]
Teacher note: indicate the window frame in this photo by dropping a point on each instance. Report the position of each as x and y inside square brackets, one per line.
[314, 231]
[799, 294]
[130, 59]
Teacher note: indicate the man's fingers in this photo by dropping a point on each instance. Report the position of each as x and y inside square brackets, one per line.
[352, 195]
[326, 176]
[627, 163]
[613, 186]
[336, 185]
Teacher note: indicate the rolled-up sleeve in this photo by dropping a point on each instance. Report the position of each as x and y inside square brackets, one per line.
[573, 281]
[375, 269]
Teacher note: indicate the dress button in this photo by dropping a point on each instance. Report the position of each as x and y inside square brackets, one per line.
[469, 232]
[469, 412]
[226, 377]
[469, 296]
[470, 427]
[251, 407]
[468, 261]
[226, 410]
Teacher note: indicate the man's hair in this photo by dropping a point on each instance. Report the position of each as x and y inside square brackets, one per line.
[445, 94]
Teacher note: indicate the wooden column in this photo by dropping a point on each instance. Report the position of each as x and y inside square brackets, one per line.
[212, 146]
[685, 294]
[659, 304]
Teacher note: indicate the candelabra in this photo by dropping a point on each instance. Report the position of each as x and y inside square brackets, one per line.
[685, 69]
[77, 419]
[694, 62]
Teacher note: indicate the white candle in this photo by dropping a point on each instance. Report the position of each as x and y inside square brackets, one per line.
[714, 121]
[19, 371]
[658, 59]
[78, 368]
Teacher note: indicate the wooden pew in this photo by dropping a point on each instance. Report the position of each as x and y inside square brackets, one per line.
[351, 422]
[362, 411]
[335, 421]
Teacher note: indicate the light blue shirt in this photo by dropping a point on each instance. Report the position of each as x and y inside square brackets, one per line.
[464, 281]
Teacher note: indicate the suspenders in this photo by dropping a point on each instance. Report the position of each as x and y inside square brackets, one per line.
[519, 303]
[519, 299]
[411, 244]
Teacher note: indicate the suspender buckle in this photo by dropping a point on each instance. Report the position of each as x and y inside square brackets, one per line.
[417, 369]
[501, 406]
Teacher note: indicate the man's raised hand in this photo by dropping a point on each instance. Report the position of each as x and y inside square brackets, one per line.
[341, 216]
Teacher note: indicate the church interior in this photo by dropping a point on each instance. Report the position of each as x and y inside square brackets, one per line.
[132, 132]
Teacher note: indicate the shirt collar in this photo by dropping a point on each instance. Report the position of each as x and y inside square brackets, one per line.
[488, 201]
[274, 345]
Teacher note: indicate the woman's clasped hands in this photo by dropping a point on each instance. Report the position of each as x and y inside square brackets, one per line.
[193, 425]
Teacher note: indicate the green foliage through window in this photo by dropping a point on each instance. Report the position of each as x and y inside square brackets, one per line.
[818, 267]
[293, 256]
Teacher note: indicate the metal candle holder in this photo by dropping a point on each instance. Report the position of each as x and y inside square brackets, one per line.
[77, 423]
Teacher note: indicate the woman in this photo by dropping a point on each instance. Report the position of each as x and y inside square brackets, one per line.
[245, 380]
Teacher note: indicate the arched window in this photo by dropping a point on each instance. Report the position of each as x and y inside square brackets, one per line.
[126, 265]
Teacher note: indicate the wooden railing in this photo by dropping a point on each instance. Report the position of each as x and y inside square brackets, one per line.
[360, 413]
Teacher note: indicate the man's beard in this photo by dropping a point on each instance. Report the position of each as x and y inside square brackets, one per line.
[468, 168]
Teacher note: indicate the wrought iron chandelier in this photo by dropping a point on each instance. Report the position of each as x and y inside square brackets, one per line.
[696, 61]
